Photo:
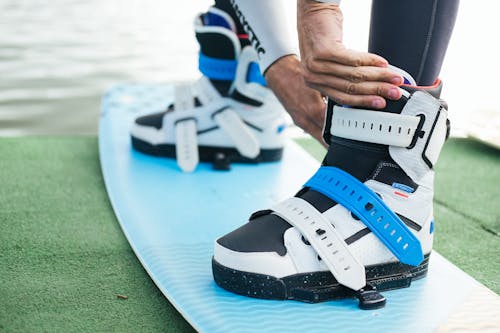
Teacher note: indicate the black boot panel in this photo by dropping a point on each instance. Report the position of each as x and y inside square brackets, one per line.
[359, 159]
[262, 234]
[216, 45]
[222, 86]
[152, 120]
[321, 202]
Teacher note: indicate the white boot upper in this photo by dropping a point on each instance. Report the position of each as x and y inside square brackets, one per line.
[220, 121]
[423, 122]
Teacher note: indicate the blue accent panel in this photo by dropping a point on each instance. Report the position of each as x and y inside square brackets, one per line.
[213, 19]
[281, 128]
[362, 201]
[254, 74]
[403, 187]
[431, 229]
[406, 81]
[217, 69]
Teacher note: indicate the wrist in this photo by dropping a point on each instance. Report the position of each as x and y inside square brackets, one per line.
[313, 14]
[288, 65]
[333, 2]
[307, 5]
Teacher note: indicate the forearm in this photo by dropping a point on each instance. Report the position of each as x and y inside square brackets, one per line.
[305, 105]
[349, 77]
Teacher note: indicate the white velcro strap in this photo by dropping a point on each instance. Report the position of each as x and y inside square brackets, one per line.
[239, 133]
[206, 92]
[325, 240]
[372, 126]
[183, 97]
[186, 143]
[421, 157]
[248, 89]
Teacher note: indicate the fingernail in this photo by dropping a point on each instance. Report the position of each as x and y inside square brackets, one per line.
[397, 80]
[393, 93]
[377, 103]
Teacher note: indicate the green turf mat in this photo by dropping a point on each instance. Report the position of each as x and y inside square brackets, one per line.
[63, 257]
[468, 182]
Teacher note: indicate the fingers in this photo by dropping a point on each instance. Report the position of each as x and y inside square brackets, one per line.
[353, 74]
[369, 101]
[351, 81]
[351, 58]
[335, 86]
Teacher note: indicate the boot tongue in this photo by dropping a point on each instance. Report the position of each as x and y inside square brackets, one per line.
[434, 90]
[408, 79]
[219, 47]
[408, 88]
[218, 18]
[410, 85]
[217, 43]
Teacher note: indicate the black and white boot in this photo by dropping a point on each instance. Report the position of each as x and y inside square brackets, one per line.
[228, 115]
[364, 222]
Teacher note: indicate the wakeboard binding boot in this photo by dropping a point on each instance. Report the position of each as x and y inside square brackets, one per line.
[363, 223]
[228, 115]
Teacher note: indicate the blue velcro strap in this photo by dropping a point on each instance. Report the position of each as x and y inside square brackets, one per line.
[217, 69]
[254, 74]
[362, 201]
[223, 69]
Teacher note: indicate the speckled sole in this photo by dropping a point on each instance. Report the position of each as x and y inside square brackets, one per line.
[207, 153]
[314, 287]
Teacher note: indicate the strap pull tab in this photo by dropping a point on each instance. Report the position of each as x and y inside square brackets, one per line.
[239, 133]
[369, 298]
[186, 141]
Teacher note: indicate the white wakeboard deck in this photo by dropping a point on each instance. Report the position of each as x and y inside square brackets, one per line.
[171, 220]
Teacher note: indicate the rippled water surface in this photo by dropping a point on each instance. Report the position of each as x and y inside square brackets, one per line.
[57, 57]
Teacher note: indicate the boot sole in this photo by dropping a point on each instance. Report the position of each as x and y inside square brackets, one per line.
[314, 287]
[207, 153]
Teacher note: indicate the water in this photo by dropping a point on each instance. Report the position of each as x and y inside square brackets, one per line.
[57, 57]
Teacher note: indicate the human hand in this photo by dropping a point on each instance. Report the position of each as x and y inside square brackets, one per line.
[305, 105]
[349, 77]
